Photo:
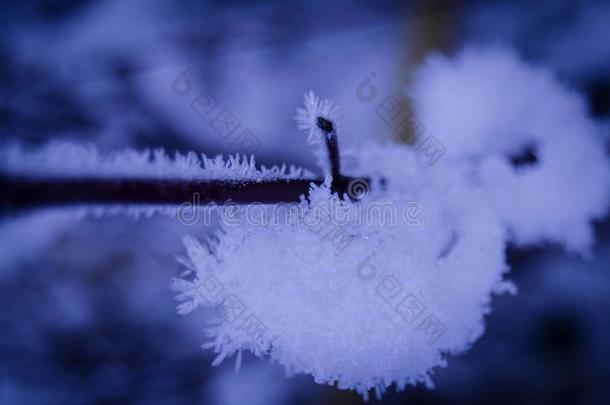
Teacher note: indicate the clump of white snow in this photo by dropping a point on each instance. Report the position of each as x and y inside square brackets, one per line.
[377, 292]
[486, 105]
[410, 282]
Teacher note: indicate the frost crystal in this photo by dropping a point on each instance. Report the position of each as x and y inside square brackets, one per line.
[67, 159]
[377, 292]
[362, 294]
[307, 120]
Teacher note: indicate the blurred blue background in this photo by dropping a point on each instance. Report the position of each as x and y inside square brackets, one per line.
[85, 314]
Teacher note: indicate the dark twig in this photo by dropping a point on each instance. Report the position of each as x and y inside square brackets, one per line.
[18, 193]
[22, 193]
[332, 145]
[340, 184]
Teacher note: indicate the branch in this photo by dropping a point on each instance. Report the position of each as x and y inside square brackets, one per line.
[22, 193]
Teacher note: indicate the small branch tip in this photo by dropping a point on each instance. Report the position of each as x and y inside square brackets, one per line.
[325, 125]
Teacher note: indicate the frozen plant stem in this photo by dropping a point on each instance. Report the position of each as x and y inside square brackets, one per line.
[331, 144]
[340, 183]
[28, 192]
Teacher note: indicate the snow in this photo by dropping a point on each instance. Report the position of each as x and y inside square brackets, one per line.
[485, 104]
[377, 292]
[383, 309]
[306, 118]
[369, 293]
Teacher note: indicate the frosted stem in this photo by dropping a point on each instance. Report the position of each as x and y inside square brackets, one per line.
[19, 192]
[332, 145]
[26, 192]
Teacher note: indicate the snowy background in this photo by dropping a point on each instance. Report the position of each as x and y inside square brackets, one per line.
[85, 313]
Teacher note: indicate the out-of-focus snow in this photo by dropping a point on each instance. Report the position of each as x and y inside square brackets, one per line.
[487, 105]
